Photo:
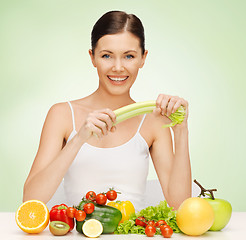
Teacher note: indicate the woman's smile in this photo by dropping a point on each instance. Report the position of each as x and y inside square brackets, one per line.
[117, 80]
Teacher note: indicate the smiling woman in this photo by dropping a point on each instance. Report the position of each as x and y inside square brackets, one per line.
[118, 58]
[80, 143]
[118, 48]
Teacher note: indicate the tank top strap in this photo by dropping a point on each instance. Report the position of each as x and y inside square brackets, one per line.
[141, 123]
[71, 107]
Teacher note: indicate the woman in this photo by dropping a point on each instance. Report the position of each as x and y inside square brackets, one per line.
[80, 144]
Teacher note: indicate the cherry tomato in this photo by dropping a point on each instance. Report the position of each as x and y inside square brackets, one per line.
[89, 208]
[151, 222]
[71, 212]
[150, 231]
[160, 222]
[140, 221]
[80, 215]
[111, 195]
[166, 231]
[101, 199]
[91, 196]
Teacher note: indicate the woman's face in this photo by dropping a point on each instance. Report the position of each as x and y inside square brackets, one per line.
[118, 58]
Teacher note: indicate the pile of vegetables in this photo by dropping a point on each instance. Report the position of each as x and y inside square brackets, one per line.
[139, 108]
[108, 216]
[117, 217]
[151, 215]
[93, 206]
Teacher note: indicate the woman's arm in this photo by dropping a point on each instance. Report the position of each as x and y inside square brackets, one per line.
[52, 159]
[172, 166]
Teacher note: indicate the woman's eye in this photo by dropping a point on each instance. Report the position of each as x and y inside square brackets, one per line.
[129, 56]
[106, 56]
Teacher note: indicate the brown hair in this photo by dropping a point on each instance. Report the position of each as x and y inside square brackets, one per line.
[116, 22]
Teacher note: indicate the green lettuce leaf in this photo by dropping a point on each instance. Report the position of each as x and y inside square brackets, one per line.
[159, 212]
[129, 226]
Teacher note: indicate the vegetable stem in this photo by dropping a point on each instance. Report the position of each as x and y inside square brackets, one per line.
[140, 108]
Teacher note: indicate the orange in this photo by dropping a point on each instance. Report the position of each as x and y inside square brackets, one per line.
[32, 216]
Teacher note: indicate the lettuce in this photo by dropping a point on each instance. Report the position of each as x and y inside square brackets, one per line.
[159, 212]
[129, 226]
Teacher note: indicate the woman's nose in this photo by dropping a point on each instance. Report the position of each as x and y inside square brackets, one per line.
[118, 66]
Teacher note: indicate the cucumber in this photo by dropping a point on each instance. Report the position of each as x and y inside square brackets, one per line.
[107, 215]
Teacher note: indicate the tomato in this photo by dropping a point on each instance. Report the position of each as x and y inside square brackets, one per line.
[101, 199]
[71, 212]
[89, 208]
[140, 221]
[160, 222]
[166, 231]
[111, 195]
[150, 231]
[80, 215]
[151, 222]
[91, 196]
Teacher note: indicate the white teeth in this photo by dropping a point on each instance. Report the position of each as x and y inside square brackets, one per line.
[117, 79]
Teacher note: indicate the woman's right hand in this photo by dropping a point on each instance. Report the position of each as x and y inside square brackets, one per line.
[98, 123]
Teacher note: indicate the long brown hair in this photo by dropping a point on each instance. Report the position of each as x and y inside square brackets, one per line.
[116, 22]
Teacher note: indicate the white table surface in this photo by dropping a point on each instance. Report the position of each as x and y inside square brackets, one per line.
[10, 231]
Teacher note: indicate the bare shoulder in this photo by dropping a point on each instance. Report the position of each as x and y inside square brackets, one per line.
[153, 129]
[59, 117]
[59, 110]
[80, 107]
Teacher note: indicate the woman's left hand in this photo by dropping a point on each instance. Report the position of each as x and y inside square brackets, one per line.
[167, 104]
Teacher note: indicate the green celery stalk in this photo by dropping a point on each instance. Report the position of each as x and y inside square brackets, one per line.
[140, 108]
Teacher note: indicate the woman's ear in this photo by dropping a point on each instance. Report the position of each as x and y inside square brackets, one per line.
[92, 57]
[144, 58]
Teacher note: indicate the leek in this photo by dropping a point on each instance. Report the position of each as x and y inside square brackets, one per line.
[139, 108]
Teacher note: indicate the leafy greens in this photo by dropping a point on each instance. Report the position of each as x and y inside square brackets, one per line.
[159, 212]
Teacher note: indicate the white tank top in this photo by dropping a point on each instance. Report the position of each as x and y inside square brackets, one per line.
[125, 168]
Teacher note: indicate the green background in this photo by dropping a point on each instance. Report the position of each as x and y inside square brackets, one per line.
[196, 51]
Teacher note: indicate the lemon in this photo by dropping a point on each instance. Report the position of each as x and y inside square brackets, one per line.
[92, 228]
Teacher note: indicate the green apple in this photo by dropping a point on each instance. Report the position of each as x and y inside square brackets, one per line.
[222, 213]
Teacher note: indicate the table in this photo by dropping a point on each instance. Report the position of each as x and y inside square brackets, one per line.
[10, 231]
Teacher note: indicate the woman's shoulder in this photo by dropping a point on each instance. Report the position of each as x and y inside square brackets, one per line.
[59, 109]
[155, 122]
[58, 115]
[152, 128]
